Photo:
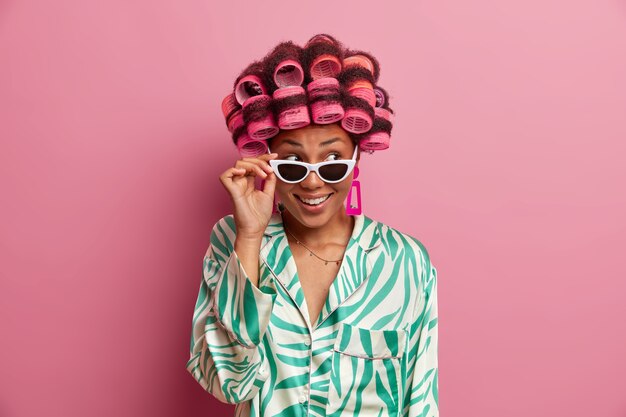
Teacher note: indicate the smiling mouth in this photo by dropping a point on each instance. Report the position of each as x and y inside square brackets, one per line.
[313, 202]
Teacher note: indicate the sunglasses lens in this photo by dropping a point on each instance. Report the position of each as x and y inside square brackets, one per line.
[333, 172]
[292, 172]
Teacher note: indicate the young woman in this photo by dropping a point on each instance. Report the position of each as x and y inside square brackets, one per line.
[312, 310]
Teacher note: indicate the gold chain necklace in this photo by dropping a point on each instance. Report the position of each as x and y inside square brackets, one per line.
[311, 253]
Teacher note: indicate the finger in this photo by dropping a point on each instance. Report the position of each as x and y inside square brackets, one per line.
[252, 168]
[229, 177]
[261, 159]
[232, 172]
[262, 156]
[260, 162]
[268, 156]
[269, 187]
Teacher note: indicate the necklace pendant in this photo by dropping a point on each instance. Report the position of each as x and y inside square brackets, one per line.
[337, 262]
[325, 263]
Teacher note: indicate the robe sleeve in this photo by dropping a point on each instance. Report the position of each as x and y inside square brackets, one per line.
[231, 315]
[422, 382]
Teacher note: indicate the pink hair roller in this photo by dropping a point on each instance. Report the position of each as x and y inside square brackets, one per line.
[249, 147]
[249, 86]
[296, 116]
[288, 73]
[375, 142]
[322, 86]
[229, 104]
[380, 97]
[320, 38]
[325, 112]
[235, 121]
[363, 89]
[382, 113]
[356, 121]
[359, 60]
[325, 66]
[263, 128]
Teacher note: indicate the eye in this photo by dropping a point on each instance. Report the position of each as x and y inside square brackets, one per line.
[333, 156]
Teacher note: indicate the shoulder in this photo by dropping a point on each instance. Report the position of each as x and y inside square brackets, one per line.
[395, 240]
[403, 247]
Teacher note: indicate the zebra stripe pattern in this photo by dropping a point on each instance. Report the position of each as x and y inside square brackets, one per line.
[371, 352]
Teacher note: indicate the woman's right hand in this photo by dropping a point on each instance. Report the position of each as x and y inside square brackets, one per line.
[252, 208]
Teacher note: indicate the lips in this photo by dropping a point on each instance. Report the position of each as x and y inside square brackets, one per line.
[312, 197]
[313, 201]
[313, 209]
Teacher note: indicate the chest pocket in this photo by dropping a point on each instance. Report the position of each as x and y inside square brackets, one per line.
[366, 372]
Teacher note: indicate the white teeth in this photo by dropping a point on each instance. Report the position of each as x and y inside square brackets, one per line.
[314, 202]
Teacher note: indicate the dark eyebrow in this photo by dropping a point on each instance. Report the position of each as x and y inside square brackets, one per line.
[299, 145]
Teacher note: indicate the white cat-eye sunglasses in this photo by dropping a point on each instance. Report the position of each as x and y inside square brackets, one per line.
[331, 172]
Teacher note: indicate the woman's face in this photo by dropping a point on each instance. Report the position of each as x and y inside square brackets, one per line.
[314, 143]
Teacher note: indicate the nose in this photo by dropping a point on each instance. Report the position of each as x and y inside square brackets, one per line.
[312, 181]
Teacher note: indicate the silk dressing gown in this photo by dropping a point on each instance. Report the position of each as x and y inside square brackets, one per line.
[371, 352]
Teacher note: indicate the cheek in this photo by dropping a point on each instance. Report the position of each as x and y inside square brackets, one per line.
[344, 186]
[282, 189]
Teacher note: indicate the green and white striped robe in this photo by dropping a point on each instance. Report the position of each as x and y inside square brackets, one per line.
[372, 351]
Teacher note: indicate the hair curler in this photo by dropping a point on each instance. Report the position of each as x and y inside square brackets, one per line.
[380, 137]
[383, 113]
[293, 112]
[249, 86]
[325, 66]
[321, 38]
[288, 73]
[359, 116]
[325, 104]
[376, 141]
[359, 60]
[322, 86]
[380, 97]
[324, 113]
[356, 120]
[230, 108]
[235, 121]
[259, 117]
[363, 89]
[229, 105]
[249, 147]
[364, 60]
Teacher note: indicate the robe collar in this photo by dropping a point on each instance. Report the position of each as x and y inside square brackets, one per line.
[355, 268]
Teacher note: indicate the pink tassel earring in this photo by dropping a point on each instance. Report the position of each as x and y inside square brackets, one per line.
[351, 209]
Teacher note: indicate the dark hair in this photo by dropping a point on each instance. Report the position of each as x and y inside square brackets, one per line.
[356, 72]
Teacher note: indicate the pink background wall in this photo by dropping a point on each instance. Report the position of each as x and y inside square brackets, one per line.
[507, 162]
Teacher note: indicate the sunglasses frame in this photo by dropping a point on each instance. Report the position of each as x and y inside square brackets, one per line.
[275, 163]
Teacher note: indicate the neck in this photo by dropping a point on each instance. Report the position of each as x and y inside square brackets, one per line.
[336, 231]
